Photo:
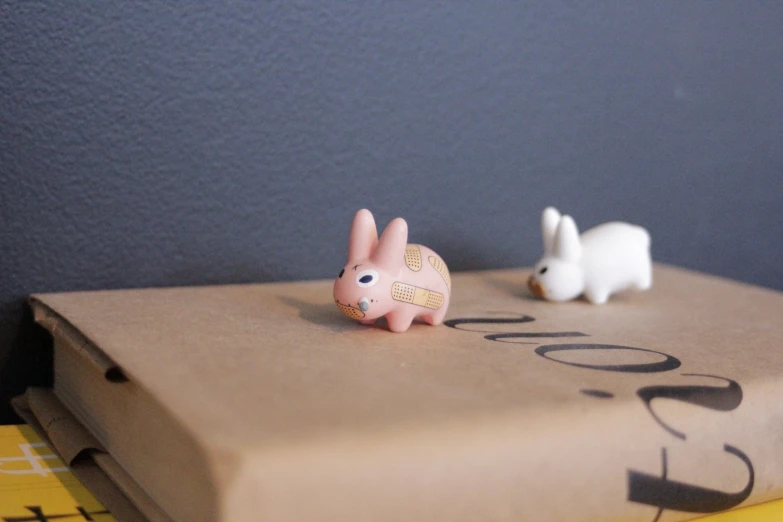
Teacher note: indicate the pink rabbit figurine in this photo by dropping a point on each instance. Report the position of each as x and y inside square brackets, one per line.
[390, 278]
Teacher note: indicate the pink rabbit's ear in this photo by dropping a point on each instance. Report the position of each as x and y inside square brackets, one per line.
[390, 253]
[364, 236]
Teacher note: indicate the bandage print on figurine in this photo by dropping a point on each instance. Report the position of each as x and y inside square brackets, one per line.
[350, 311]
[387, 277]
[418, 296]
[438, 264]
[413, 257]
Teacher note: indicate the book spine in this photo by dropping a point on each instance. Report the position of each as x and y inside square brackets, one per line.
[62, 329]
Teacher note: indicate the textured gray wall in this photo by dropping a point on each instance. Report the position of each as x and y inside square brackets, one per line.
[150, 144]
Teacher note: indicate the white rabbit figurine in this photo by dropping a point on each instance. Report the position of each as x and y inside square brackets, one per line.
[606, 259]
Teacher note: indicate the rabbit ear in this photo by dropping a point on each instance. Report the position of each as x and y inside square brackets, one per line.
[566, 244]
[390, 253]
[364, 236]
[549, 220]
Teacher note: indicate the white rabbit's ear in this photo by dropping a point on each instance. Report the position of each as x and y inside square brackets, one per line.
[549, 220]
[566, 244]
[364, 236]
[390, 253]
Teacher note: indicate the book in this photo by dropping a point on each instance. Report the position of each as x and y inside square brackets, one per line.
[35, 484]
[103, 484]
[264, 402]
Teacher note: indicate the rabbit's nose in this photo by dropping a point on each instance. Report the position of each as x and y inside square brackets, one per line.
[364, 304]
[535, 287]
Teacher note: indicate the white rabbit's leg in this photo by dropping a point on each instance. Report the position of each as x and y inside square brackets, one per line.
[645, 280]
[596, 296]
[367, 321]
[400, 320]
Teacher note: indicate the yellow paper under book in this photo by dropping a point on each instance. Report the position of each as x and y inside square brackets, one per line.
[35, 485]
[769, 512]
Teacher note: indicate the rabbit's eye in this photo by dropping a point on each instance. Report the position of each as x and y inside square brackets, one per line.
[542, 271]
[341, 273]
[367, 278]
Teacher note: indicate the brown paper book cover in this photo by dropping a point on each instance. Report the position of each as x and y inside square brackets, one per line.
[264, 402]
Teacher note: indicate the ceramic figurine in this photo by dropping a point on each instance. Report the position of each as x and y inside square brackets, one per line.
[390, 278]
[606, 259]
